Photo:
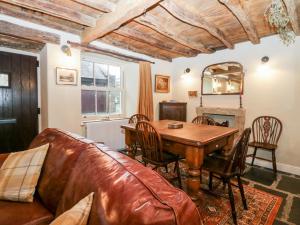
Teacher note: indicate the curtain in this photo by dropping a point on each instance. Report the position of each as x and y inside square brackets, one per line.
[146, 95]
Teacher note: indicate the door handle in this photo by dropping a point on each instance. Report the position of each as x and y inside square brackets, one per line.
[8, 121]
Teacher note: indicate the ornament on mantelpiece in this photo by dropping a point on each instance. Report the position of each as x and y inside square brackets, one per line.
[277, 16]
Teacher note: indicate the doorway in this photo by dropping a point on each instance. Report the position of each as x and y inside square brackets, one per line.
[18, 101]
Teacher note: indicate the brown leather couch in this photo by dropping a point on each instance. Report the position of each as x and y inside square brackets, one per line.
[126, 193]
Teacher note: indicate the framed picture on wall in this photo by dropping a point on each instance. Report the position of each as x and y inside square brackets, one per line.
[66, 76]
[162, 84]
[4, 80]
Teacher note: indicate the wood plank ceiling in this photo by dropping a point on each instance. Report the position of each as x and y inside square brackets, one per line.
[164, 29]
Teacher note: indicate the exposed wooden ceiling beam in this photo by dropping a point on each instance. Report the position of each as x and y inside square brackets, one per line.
[188, 14]
[149, 39]
[14, 30]
[20, 44]
[40, 18]
[102, 5]
[126, 10]
[235, 7]
[53, 9]
[102, 51]
[171, 32]
[292, 12]
[128, 44]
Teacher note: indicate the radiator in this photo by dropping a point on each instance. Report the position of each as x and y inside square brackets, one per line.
[109, 132]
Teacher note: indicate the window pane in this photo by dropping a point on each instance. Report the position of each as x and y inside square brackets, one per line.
[101, 76]
[87, 77]
[115, 102]
[88, 102]
[102, 101]
[114, 76]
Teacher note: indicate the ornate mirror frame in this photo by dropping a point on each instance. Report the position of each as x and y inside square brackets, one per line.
[242, 79]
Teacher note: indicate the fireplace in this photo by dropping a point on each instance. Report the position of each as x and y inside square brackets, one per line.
[235, 117]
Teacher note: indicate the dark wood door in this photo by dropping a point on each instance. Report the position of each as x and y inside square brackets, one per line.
[18, 102]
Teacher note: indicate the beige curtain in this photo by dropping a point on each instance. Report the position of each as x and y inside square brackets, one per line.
[146, 95]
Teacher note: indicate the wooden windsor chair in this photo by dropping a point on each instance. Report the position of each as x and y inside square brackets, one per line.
[203, 120]
[231, 166]
[152, 149]
[266, 132]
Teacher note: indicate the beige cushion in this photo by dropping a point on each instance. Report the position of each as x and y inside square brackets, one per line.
[20, 172]
[78, 214]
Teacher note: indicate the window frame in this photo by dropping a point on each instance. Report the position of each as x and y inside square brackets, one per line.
[107, 89]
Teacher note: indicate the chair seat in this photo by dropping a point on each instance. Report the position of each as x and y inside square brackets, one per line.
[169, 157]
[219, 166]
[19, 213]
[263, 145]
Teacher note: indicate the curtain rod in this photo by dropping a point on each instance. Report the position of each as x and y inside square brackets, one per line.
[96, 49]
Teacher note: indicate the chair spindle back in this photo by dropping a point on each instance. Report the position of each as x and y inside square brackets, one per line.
[203, 120]
[136, 118]
[266, 129]
[240, 152]
[149, 141]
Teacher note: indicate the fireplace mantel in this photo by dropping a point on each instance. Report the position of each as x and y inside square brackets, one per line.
[238, 113]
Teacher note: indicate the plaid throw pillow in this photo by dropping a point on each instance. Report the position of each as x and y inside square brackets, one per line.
[20, 172]
[78, 214]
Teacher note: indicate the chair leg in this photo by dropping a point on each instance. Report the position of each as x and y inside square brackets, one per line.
[242, 192]
[201, 175]
[210, 182]
[253, 156]
[274, 162]
[231, 198]
[178, 174]
[166, 168]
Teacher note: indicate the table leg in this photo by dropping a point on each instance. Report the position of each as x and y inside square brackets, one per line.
[227, 148]
[130, 141]
[194, 158]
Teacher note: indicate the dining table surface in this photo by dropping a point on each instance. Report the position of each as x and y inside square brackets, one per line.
[192, 141]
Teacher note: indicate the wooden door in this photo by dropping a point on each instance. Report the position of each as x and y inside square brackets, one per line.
[18, 102]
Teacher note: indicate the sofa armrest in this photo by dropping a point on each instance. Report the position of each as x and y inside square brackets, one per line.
[2, 158]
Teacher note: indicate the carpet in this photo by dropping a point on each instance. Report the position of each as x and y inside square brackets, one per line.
[262, 207]
[214, 206]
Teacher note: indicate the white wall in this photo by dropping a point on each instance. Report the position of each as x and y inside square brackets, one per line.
[276, 92]
[61, 103]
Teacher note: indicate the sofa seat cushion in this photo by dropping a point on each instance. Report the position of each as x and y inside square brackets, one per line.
[19, 213]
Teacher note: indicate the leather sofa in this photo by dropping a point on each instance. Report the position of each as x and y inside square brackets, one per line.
[126, 192]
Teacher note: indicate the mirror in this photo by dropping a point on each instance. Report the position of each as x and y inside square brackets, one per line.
[223, 79]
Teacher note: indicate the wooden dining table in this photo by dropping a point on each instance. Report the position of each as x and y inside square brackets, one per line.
[192, 142]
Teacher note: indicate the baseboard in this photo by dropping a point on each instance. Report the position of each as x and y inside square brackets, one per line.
[280, 166]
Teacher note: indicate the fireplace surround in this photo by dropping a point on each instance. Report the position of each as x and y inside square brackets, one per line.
[239, 115]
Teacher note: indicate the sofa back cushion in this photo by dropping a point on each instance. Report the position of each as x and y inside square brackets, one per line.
[62, 155]
[126, 192]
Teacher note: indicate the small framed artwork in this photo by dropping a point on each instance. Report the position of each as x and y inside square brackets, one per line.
[66, 76]
[5, 79]
[162, 84]
[193, 93]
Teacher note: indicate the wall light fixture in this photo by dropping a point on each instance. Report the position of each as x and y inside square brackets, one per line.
[66, 49]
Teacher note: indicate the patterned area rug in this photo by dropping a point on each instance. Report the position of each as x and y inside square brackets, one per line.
[262, 207]
[214, 206]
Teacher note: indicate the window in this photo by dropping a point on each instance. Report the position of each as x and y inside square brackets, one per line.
[102, 89]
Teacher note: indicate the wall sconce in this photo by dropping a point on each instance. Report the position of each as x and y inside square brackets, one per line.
[66, 49]
[186, 72]
[264, 69]
[265, 59]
